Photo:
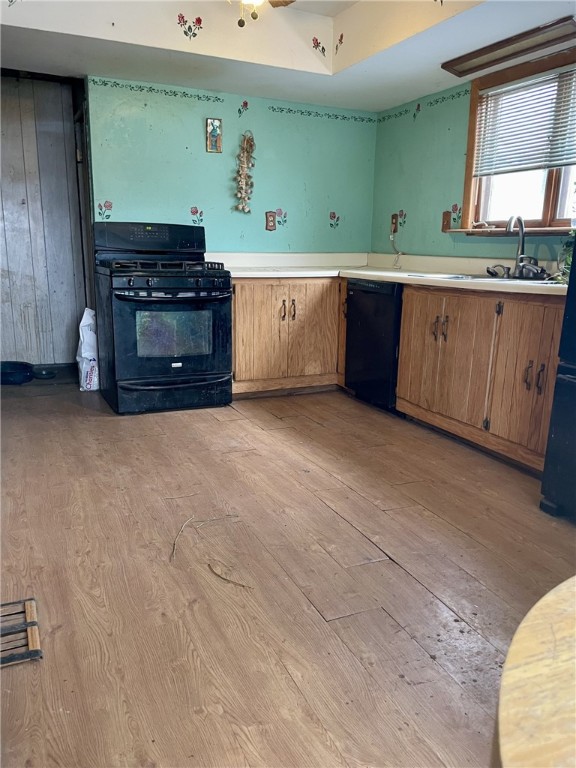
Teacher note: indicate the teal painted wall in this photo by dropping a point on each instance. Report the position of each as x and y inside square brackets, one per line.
[149, 159]
[420, 161]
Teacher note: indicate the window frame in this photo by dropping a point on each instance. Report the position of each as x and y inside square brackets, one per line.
[472, 186]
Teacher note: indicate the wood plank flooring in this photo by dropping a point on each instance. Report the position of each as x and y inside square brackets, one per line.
[343, 596]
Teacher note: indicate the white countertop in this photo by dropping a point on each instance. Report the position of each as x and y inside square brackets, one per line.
[412, 278]
[476, 284]
[272, 272]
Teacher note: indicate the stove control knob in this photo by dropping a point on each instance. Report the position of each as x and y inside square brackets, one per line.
[149, 281]
[130, 281]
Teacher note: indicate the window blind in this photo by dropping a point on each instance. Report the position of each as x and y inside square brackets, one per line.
[527, 125]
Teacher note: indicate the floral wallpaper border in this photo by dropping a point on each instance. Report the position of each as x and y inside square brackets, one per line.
[430, 103]
[102, 83]
[278, 110]
[152, 89]
[325, 115]
[394, 116]
[451, 97]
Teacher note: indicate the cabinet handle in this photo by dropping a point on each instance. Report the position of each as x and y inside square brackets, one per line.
[445, 328]
[527, 375]
[293, 309]
[435, 327]
[283, 309]
[539, 379]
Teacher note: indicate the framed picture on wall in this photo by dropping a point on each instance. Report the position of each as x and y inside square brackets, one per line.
[213, 134]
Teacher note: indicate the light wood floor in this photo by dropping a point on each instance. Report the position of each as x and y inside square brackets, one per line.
[350, 605]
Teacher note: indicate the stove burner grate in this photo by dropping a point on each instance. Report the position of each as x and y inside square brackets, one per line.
[156, 267]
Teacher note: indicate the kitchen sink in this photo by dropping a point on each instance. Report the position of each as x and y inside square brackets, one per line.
[439, 276]
[479, 278]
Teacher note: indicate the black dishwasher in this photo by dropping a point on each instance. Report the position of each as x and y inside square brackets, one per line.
[373, 312]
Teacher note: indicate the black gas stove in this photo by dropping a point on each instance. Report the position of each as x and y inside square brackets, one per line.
[163, 317]
[139, 273]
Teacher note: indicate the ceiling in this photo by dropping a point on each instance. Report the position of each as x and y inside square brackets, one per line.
[401, 73]
[324, 7]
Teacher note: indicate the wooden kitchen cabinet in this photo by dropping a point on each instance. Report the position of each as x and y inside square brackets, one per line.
[525, 364]
[445, 348]
[482, 366]
[419, 349]
[285, 333]
[465, 351]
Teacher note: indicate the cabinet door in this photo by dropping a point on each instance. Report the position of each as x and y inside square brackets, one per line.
[243, 331]
[516, 367]
[422, 313]
[313, 327]
[260, 330]
[543, 392]
[466, 341]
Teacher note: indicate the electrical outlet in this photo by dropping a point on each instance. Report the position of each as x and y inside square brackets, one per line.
[394, 224]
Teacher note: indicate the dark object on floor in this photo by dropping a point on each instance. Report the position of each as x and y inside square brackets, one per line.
[44, 372]
[14, 372]
[19, 635]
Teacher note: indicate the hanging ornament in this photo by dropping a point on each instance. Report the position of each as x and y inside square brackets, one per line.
[243, 179]
[243, 4]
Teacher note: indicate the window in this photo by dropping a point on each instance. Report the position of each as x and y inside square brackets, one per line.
[522, 145]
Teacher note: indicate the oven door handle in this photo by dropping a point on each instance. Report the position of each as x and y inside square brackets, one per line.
[181, 385]
[166, 299]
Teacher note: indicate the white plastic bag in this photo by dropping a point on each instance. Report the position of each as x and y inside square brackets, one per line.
[87, 355]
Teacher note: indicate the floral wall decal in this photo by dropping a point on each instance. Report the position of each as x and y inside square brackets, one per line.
[242, 108]
[401, 217]
[456, 211]
[104, 210]
[416, 112]
[190, 30]
[197, 215]
[317, 45]
[334, 219]
[281, 217]
[340, 42]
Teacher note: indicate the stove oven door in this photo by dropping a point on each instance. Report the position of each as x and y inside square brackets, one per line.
[165, 335]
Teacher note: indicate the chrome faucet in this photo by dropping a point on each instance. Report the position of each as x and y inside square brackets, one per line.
[510, 228]
[526, 267]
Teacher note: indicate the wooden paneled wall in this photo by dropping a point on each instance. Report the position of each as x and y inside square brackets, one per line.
[42, 290]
